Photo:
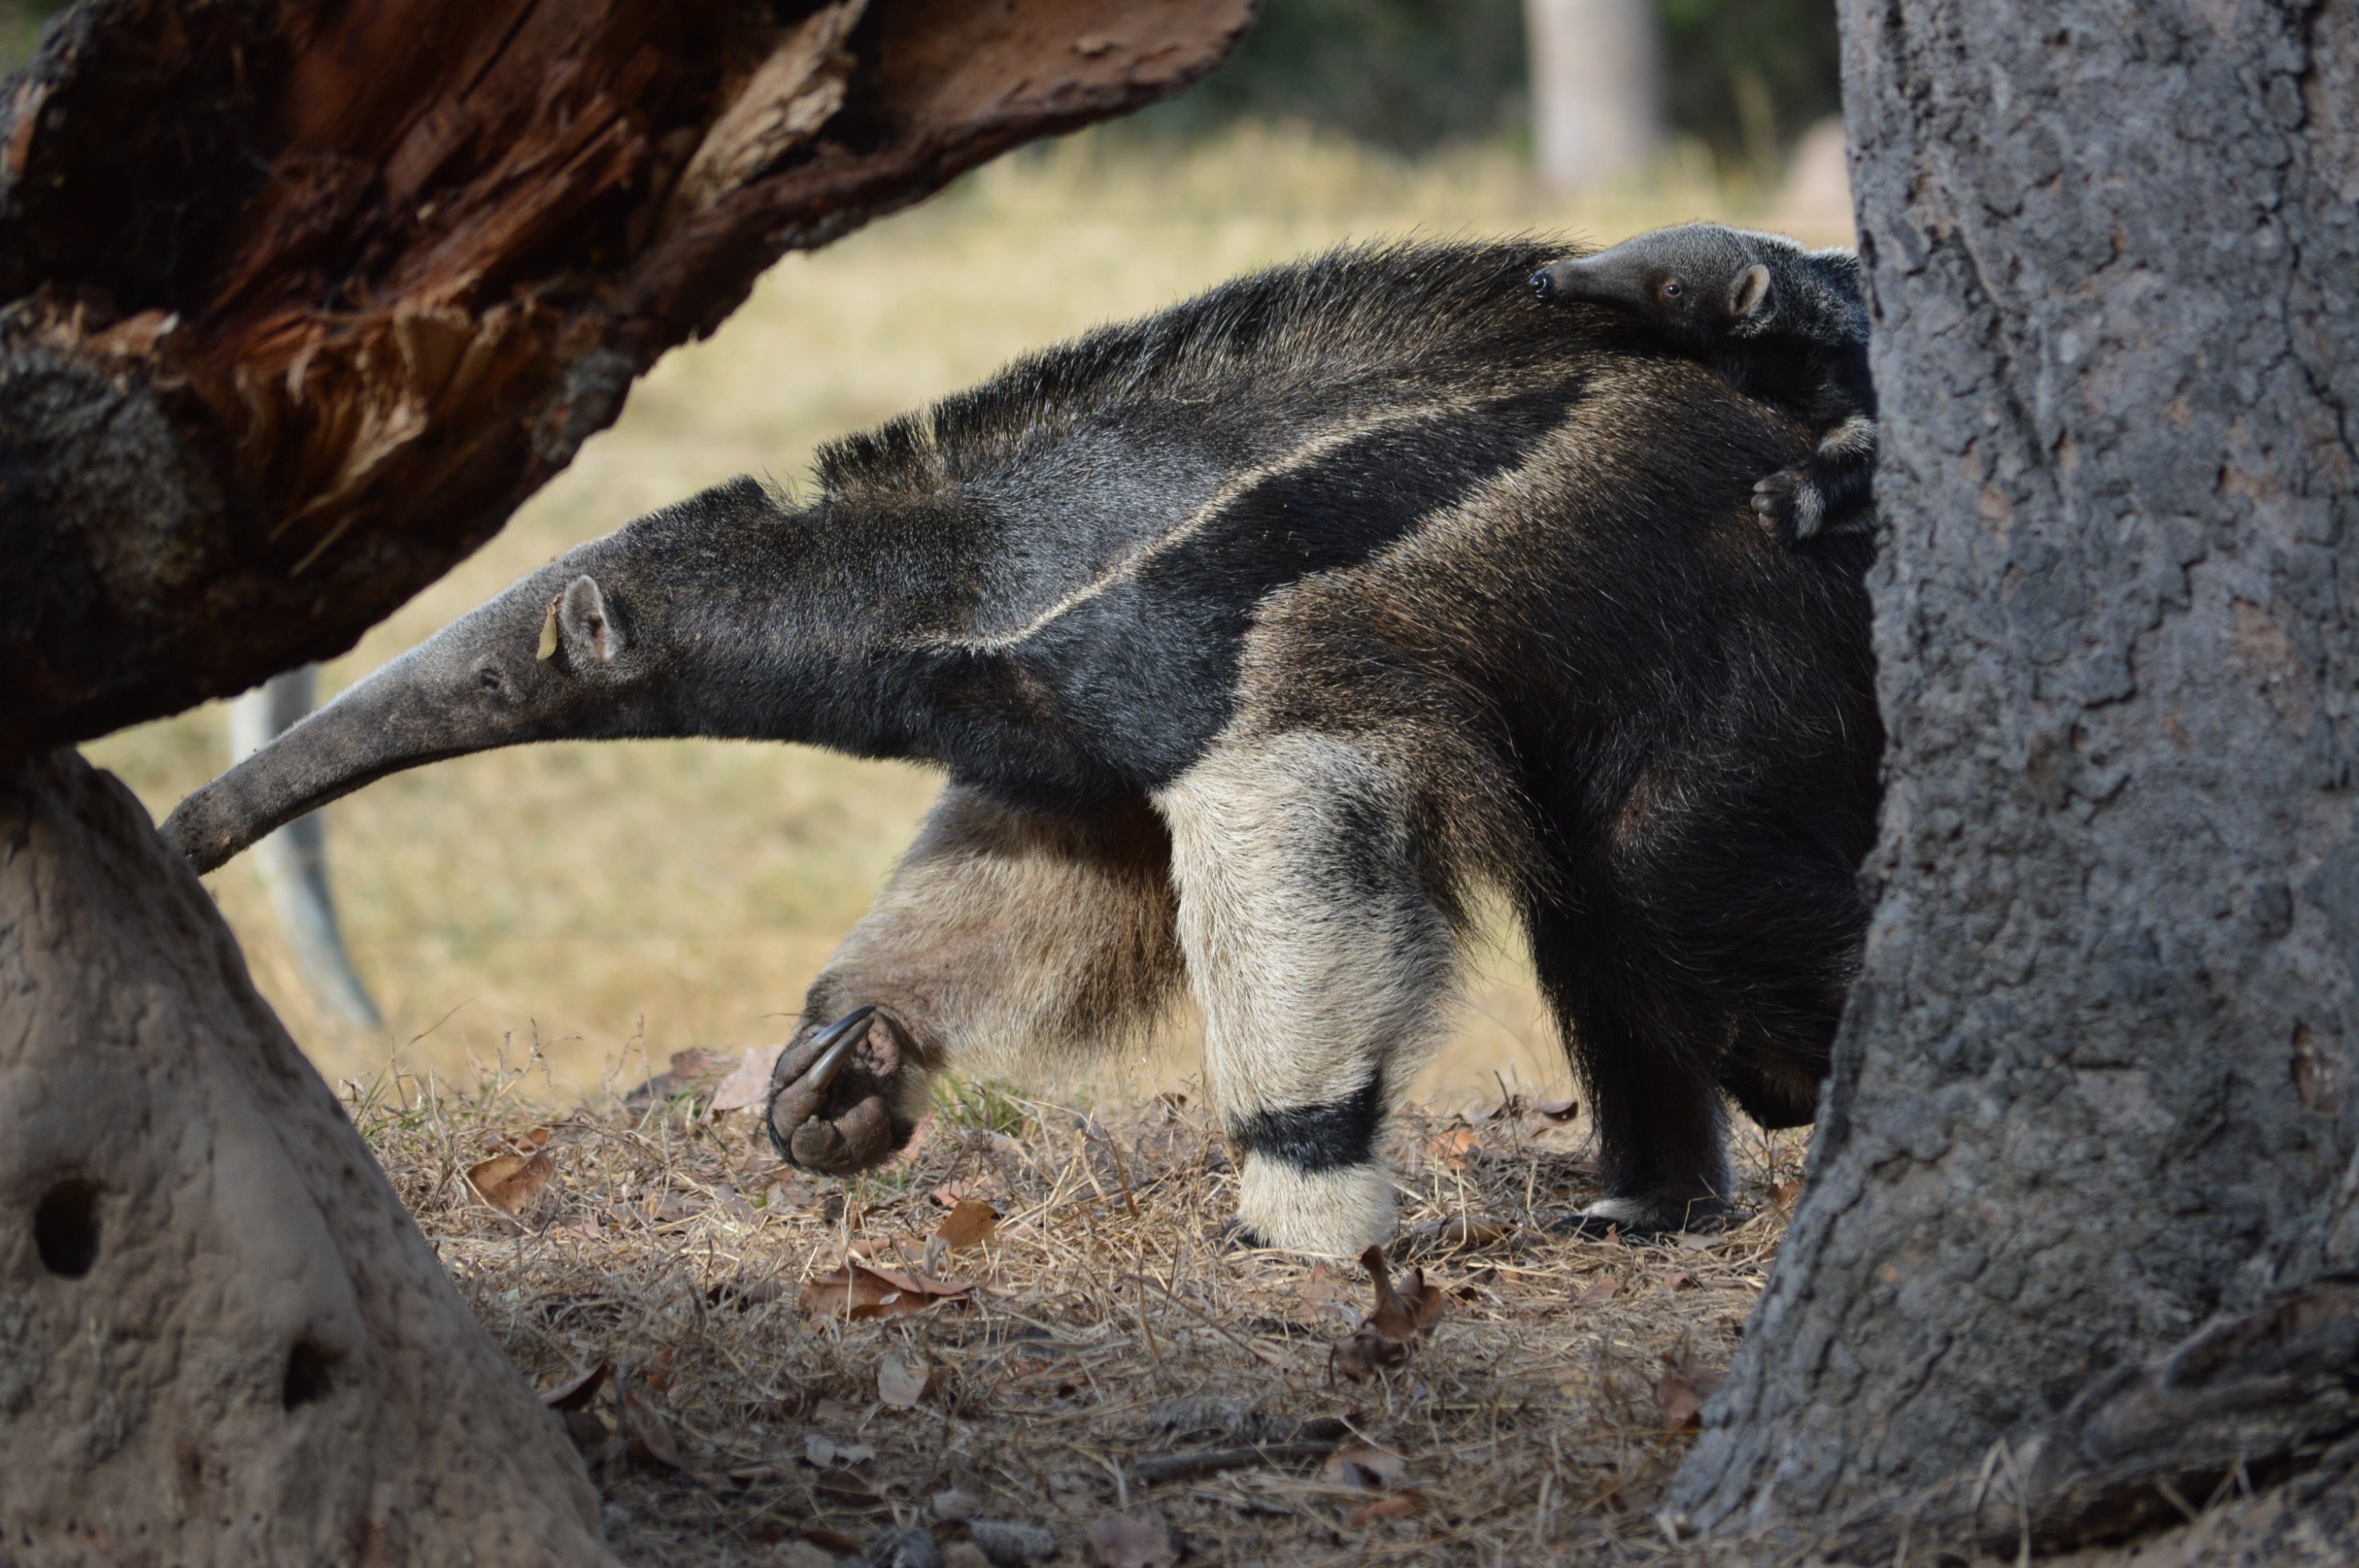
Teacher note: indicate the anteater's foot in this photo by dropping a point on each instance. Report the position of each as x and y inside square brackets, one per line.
[834, 1092]
[1340, 1211]
[1789, 505]
[1651, 1215]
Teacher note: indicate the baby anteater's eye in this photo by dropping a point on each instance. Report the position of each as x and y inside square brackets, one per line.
[1673, 288]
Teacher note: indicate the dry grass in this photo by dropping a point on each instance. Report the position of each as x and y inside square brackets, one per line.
[1107, 1326]
[587, 910]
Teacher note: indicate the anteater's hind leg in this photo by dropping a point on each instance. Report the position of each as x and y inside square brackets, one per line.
[1005, 935]
[1653, 1087]
[1322, 959]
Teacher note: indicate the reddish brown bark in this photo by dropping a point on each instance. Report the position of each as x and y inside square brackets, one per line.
[303, 298]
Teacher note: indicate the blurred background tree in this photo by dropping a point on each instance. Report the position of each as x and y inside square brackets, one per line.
[1746, 78]
[1743, 77]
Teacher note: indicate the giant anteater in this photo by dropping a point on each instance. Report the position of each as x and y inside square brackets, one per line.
[1780, 321]
[1255, 637]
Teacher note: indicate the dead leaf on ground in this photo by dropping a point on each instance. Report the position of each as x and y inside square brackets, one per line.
[1678, 1279]
[1384, 1337]
[509, 1182]
[1783, 1193]
[829, 1454]
[1131, 1541]
[858, 1290]
[574, 1392]
[1604, 1287]
[1682, 1391]
[984, 1187]
[693, 1069]
[1326, 1287]
[970, 1224]
[1399, 1504]
[785, 1196]
[1369, 1469]
[749, 1085]
[906, 1380]
[651, 1441]
[1456, 1148]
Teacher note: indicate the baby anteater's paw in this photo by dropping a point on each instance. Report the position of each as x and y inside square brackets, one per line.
[1789, 505]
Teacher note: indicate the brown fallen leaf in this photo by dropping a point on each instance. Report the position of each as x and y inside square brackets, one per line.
[906, 1380]
[1678, 1279]
[827, 1454]
[1370, 1469]
[1456, 1148]
[1385, 1335]
[692, 1070]
[749, 1085]
[1400, 1504]
[1682, 1391]
[1131, 1541]
[1326, 1289]
[1783, 1193]
[509, 1182]
[786, 1196]
[650, 1438]
[858, 1290]
[573, 1393]
[1604, 1287]
[968, 1224]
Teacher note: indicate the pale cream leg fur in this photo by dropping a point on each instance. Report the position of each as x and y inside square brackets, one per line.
[1321, 966]
[1006, 936]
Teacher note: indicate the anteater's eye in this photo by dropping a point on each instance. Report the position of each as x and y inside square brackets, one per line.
[1673, 289]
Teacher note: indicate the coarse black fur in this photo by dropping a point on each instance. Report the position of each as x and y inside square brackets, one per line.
[1253, 636]
[1780, 321]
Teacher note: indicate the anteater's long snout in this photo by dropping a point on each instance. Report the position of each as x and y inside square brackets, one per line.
[370, 731]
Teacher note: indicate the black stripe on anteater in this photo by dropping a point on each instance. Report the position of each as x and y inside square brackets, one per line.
[1312, 1138]
[1129, 685]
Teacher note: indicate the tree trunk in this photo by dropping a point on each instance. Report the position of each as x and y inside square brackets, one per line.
[222, 1340]
[303, 296]
[1597, 88]
[2097, 1087]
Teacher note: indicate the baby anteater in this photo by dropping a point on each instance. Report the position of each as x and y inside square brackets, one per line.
[1782, 323]
[1257, 639]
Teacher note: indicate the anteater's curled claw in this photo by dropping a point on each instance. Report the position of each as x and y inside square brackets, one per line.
[831, 1109]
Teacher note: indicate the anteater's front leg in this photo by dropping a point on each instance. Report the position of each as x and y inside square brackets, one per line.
[1829, 492]
[1320, 960]
[1005, 934]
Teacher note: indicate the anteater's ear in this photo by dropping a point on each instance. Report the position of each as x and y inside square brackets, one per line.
[1752, 287]
[585, 625]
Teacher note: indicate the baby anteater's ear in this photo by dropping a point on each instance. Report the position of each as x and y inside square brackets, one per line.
[585, 626]
[1752, 287]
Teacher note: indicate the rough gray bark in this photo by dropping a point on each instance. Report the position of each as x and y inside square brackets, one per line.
[2097, 1083]
[222, 1340]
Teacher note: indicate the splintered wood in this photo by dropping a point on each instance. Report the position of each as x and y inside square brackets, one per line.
[416, 254]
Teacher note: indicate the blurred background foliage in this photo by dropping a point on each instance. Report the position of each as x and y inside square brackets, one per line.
[1743, 77]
